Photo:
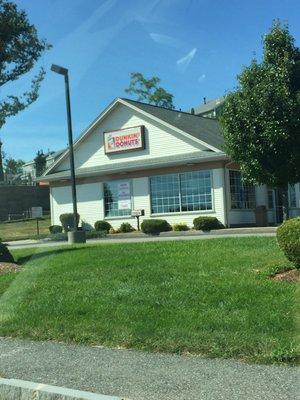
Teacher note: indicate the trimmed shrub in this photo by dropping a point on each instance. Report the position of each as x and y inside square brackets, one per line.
[102, 226]
[93, 234]
[155, 226]
[288, 238]
[207, 223]
[86, 226]
[67, 221]
[126, 227]
[180, 227]
[5, 255]
[55, 229]
[60, 237]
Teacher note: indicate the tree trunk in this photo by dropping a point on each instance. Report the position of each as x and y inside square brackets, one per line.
[285, 202]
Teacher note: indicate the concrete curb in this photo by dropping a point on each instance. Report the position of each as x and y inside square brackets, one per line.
[15, 389]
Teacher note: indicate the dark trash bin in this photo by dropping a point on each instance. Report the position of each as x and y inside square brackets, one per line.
[261, 216]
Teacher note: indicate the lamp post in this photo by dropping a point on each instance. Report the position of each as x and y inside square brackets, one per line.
[76, 236]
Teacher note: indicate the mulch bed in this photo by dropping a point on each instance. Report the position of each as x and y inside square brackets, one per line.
[6, 268]
[292, 275]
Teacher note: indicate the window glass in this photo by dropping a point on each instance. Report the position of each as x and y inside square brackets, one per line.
[195, 191]
[189, 191]
[242, 196]
[164, 191]
[292, 195]
[270, 199]
[117, 198]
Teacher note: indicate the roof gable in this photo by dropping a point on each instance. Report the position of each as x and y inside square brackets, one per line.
[202, 132]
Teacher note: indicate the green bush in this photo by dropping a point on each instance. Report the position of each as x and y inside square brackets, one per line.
[180, 227]
[93, 234]
[207, 223]
[102, 226]
[5, 255]
[86, 226]
[67, 221]
[155, 226]
[55, 229]
[126, 227]
[59, 237]
[288, 238]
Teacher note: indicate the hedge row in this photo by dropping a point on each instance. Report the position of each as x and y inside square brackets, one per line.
[148, 226]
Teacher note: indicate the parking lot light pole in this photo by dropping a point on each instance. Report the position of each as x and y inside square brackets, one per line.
[63, 71]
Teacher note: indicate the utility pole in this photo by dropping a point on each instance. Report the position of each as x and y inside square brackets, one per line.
[1, 164]
[75, 236]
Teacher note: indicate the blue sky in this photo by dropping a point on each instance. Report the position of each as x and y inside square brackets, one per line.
[196, 47]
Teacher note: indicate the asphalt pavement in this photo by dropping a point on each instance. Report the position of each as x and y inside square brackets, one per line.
[145, 376]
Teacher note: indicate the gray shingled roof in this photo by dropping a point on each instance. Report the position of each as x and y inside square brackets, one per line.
[205, 129]
[209, 106]
[158, 162]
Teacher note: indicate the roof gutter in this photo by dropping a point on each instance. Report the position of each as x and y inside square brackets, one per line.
[116, 169]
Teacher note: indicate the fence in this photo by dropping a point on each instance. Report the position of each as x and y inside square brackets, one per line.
[16, 201]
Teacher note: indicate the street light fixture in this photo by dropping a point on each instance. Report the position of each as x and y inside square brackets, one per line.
[76, 236]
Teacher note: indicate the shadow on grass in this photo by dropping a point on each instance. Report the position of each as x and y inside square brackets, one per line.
[42, 254]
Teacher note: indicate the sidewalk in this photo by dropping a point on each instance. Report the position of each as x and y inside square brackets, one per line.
[144, 376]
[136, 237]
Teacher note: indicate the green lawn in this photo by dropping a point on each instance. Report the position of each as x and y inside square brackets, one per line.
[209, 297]
[23, 230]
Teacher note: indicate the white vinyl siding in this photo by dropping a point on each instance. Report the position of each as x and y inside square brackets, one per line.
[91, 202]
[159, 141]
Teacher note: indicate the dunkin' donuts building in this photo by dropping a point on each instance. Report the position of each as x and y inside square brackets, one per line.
[168, 163]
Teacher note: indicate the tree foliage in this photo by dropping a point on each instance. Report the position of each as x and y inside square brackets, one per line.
[148, 90]
[40, 163]
[13, 166]
[20, 49]
[261, 118]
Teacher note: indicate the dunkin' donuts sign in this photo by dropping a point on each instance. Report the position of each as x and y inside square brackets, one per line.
[127, 139]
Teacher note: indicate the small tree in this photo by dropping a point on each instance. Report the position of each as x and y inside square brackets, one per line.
[20, 48]
[148, 90]
[40, 163]
[261, 119]
[13, 166]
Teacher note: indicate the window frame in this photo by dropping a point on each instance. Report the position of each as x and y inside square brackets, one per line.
[210, 211]
[128, 216]
[290, 188]
[229, 194]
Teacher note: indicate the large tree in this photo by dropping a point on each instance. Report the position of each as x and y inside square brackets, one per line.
[148, 90]
[20, 49]
[261, 118]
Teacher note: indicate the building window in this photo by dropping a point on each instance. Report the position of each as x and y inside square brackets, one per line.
[165, 194]
[189, 191]
[117, 198]
[242, 196]
[270, 199]
[195, 191]
[292, 195]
